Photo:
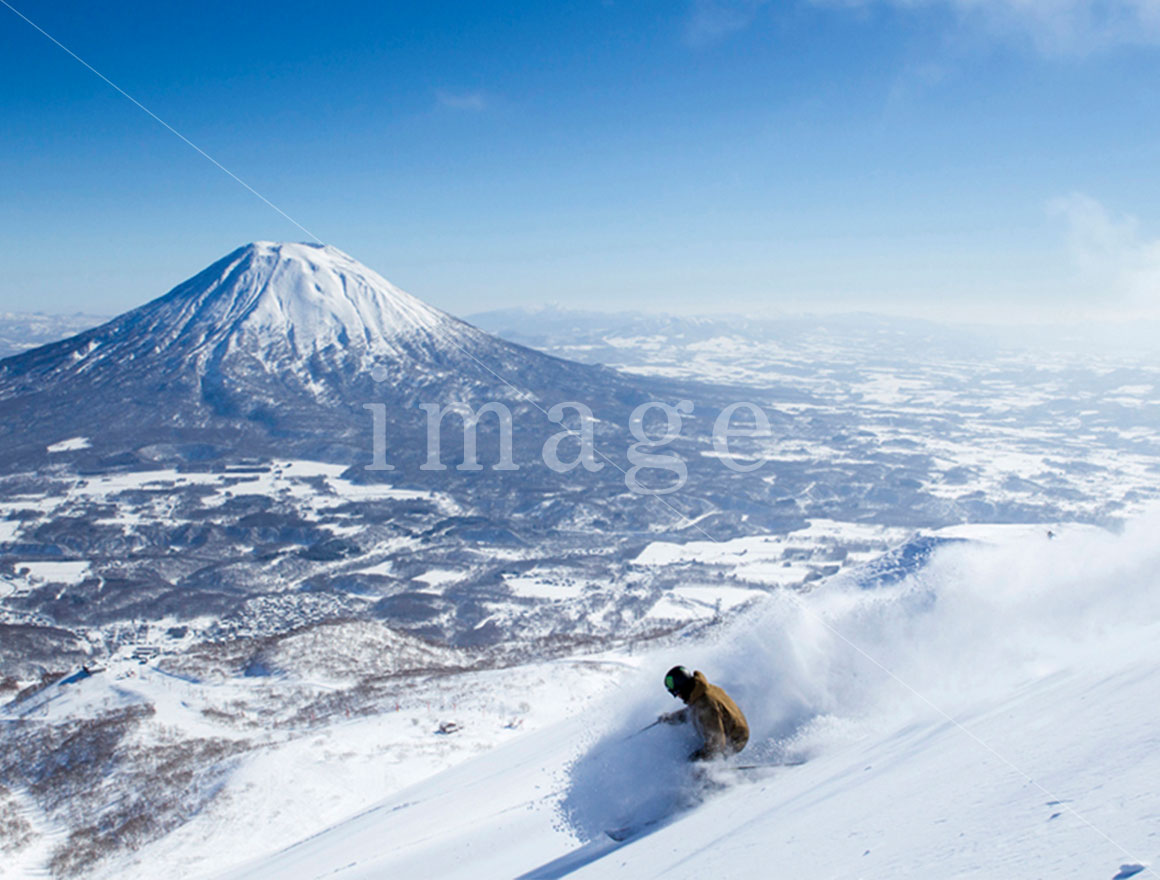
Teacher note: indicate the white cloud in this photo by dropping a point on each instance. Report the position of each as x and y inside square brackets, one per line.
[1054, 26]
[471, 101]
[710, 21]
[1112, 256]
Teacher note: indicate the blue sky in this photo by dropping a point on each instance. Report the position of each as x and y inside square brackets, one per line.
[957, 158]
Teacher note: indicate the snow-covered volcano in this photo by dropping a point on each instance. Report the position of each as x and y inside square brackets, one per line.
[272, 306]
[298, 298]
[289, 340]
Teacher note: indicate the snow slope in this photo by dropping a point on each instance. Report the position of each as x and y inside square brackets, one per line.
[992, 715]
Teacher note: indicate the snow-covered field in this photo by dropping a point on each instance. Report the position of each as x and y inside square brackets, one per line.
[991, 715]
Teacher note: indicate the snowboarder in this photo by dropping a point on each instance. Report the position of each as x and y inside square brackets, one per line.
[716, 718]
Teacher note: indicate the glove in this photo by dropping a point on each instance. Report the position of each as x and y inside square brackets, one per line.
[677, 717]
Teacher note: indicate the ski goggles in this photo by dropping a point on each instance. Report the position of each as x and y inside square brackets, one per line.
[670, 684]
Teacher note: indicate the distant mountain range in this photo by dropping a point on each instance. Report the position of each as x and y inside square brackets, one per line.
[20, 331]
[629, 336]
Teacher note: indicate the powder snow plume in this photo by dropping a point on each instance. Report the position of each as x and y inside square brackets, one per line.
[824, 668]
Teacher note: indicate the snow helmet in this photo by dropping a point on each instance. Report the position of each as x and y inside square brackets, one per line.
[678, 681]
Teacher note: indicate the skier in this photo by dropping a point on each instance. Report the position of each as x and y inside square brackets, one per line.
[720, 724]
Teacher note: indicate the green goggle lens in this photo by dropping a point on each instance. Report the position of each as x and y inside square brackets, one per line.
[669, 683]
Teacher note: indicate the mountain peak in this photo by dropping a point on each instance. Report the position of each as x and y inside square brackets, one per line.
[309, 297]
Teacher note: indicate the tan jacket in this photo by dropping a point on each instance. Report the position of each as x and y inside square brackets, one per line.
[722, 726]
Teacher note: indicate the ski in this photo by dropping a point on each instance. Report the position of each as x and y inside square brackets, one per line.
[626, 831]
[764, 766]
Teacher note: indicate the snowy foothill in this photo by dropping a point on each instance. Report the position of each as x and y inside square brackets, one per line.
[990, 715]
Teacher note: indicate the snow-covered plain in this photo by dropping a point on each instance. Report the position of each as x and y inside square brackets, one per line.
[991, 715]
[1014, 414]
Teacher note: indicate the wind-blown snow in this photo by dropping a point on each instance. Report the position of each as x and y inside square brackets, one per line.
[993, 715]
